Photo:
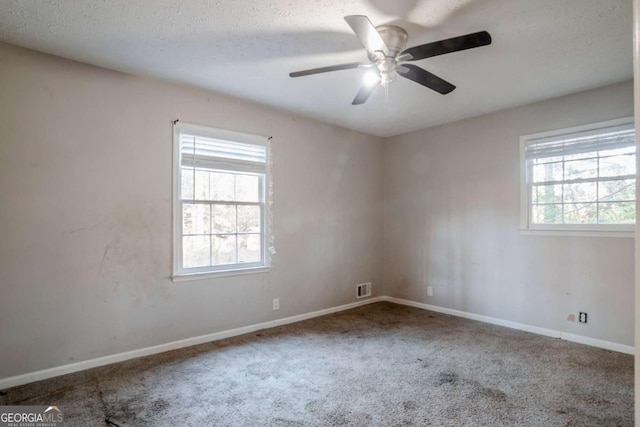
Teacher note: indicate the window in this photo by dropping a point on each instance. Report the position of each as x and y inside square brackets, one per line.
[580, 179]
[220, 202]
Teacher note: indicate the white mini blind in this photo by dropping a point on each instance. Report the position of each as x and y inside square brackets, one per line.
[606, 138]
[193, 144]
[212, 152]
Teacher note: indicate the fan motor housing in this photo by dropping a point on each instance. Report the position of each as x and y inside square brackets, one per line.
[394, 37]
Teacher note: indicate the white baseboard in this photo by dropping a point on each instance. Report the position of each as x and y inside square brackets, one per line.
[148, 351]
[607, 345]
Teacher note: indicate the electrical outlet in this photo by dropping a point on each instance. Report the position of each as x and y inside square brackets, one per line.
[276, 303]
[582, 317]
[429, 291]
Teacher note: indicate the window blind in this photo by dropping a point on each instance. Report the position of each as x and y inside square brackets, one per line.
[608, 138]
[199, 151]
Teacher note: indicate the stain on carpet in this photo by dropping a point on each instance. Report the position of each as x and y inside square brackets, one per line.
[446, 378]
[409, 406]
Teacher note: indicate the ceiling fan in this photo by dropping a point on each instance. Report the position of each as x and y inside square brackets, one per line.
[385, 46]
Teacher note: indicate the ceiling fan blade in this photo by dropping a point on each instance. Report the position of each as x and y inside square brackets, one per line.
[364, 93]
[454, 44]
[327, 69]
[367, 33]
[425, 78]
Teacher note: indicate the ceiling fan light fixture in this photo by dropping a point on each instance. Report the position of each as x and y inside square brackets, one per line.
[371, 78]
[387, 78]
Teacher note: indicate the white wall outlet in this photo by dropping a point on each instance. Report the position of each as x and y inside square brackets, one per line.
[276, 303]
[363, 290]
[429, 291]
[582, 317]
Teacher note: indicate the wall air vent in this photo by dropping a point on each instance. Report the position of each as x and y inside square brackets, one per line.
[363, 290]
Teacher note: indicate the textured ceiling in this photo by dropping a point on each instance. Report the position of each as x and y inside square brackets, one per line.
[246, 48]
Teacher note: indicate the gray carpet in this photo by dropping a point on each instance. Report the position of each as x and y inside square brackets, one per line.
[379, 365]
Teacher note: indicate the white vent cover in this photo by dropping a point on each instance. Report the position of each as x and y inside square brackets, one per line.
[363, 290]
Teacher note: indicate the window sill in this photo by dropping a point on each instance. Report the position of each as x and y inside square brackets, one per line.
[577, 233]
[177, 278]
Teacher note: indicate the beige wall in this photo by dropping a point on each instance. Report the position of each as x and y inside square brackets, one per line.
[452, 209]
[85, 218]
[85, 214]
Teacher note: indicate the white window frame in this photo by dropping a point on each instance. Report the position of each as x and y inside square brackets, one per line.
[181, 274]
[581, 230]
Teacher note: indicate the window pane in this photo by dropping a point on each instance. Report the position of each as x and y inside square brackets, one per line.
[196, 218]
[547, 172]
[223, 219]
[202, 185]
[617, 213]
[618, 165]
[547, 193]
[186, 191]
[222, 186]
[248, 219]
[247, 188]
[581, 213]
[249, 248]
[223, 249]
[617, 190]
[582, 192]
[580, 169]
[547, 214]
[196, 251]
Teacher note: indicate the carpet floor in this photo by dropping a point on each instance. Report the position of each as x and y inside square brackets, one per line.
[378, 365]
